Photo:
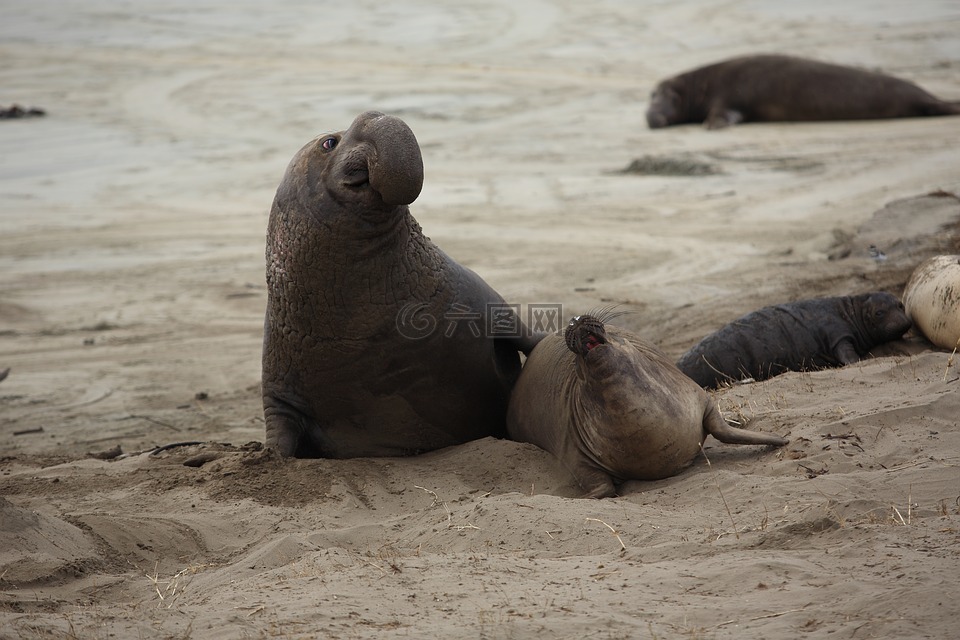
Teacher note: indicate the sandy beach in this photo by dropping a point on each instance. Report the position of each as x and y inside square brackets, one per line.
[132, 226]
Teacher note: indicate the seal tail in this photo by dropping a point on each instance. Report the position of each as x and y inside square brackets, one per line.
[715, 425]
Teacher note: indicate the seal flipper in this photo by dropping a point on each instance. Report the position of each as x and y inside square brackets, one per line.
[845, 353]
[715, 425]
[284, 427]
[720, 117]
[595, 482]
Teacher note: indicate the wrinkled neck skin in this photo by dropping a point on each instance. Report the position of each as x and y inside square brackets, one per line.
[602, 385]
[852, 311]
[598, 367]
[334, 271]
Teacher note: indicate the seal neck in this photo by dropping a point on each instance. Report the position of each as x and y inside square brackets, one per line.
[346, 283]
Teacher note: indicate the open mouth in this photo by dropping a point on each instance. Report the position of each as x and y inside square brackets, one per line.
[592, 341]
[584, 334]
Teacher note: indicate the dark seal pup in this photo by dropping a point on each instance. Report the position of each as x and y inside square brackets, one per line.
[774, 88]
[797, 336]
[376, 343]
[612, 407]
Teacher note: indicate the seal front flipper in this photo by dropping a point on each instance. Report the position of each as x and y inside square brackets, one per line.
[284, 426]
[293, 432]
[595, 482]
[721, 117]
[845, 353]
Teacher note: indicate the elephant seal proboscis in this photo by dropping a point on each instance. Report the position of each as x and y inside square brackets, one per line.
[777, 88]
[376, 343]
[796, 336]
[932, 300]
[611, 407]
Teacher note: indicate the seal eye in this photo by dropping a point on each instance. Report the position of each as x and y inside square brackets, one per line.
[329, 143]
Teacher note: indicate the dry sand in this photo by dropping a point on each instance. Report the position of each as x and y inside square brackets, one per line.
[132, 293]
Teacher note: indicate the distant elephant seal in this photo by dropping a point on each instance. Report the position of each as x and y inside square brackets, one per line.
[932, 300]
[376, 343]
[797, 336]
[775, 88]
[16, 111]
[612, 407]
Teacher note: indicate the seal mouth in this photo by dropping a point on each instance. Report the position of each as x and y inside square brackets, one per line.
[584, 334]
[356, 177]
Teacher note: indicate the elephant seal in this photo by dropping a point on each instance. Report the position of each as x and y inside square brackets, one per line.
[797, 336]
[932, 300]
[612, 407]
[376, 343]
[776, 88]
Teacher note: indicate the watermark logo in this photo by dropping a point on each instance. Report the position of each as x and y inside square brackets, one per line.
[418, 320]
[544, 317]
[460, 313]
[415, 321]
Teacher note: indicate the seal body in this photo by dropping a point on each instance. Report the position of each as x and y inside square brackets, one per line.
[932, 300]
[770, 88]
[797, 336]
[612, 407]
[376, 342]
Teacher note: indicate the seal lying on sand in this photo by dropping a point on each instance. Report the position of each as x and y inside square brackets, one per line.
[932, 300]
[376, 343]
[612, 407]
[770, 88]
[797, 336]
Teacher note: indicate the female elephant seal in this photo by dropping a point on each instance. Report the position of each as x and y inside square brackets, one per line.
[612, 407]
[797, 336]
[932, 300]
[376, 343]
[771, 88]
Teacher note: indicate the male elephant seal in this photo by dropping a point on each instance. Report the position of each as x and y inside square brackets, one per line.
[376, 343]
[932, 300]
[797, 336]
[775, 88]
[612, 407]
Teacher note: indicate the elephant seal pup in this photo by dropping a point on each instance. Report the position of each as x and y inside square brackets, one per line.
[932, 300]
[797, 336]
[612, 407]
[376, 343]
[775, 88]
